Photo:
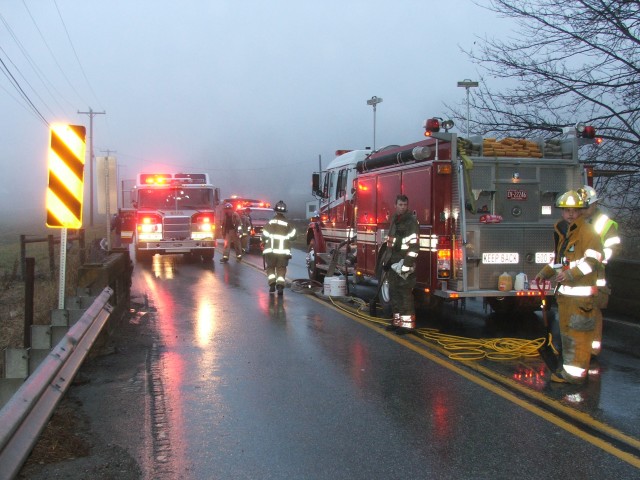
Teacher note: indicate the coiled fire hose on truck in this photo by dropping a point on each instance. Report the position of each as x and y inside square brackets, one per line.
[458, 348]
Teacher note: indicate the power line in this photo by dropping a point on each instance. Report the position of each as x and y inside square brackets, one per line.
[38, 72]
[74, 50]
[51, 52]
[24, 95]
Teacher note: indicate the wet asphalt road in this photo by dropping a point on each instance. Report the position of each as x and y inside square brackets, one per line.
[255, 386]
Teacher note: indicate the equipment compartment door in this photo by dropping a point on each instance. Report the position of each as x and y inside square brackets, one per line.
[366, 225]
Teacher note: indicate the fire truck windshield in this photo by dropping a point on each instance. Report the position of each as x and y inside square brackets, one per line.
[175, 198]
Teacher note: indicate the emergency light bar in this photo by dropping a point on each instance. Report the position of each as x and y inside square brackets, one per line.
[154, 178]
[173, 179]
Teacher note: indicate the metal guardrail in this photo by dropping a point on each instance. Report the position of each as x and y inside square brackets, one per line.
[24, 417]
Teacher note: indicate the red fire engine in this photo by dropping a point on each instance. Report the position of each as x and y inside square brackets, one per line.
[175, 213]
[485, 207]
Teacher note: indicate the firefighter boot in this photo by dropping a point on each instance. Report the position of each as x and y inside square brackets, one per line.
[280, 290]
[407, 324]
[394, 323]
[224, 259]
[272, 288]
[238, 257]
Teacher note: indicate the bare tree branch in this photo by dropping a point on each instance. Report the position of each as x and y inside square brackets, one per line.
[577, 60]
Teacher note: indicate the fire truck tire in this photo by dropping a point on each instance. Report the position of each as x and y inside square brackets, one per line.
[207, 255]
[312, 269]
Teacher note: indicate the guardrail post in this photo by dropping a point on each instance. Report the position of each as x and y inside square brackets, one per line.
[81, 244]
[29, 289]
[52, 262]
[23, 254]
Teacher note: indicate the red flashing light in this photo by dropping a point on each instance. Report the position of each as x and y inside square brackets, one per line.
[431, 125]
[589, 132]
[342, 152]
[598, 140]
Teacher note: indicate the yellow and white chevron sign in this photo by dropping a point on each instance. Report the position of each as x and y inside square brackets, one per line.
[66, 176]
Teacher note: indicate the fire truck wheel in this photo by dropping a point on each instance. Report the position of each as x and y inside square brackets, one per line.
[207, 256]
[312, 269]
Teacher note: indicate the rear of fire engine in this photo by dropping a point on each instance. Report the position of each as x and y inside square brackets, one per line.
[485, 208]
[175, 213]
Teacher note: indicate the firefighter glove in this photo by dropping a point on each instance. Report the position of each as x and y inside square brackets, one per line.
[401, 270]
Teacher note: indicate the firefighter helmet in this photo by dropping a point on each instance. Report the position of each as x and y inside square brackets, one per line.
[589, 194]
[228, 206]
[571, 199]
[280, 207]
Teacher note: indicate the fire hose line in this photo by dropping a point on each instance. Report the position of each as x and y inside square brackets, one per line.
[460, 348]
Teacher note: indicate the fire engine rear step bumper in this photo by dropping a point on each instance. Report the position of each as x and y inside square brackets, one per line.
[452, 294]
[177, 246]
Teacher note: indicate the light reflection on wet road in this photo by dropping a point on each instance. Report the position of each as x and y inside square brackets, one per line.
[257, 386]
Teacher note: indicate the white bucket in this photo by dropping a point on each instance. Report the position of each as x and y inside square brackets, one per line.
[338, 287]
[327, 285]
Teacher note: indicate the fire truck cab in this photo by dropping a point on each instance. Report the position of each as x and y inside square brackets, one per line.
[175, 213]
[485, 207]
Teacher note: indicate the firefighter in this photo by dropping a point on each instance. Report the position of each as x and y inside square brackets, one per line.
[277, 236]
[580, 256]
[116, 227]
[404, 245]
[607, 229]
[231, 227]
[247, 226]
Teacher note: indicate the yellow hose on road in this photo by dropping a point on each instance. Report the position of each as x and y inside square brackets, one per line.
[460, 348]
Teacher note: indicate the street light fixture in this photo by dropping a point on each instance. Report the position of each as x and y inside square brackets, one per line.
[374, 101]
[466, 83]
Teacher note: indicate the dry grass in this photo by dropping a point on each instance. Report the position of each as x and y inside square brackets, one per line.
[12, 288]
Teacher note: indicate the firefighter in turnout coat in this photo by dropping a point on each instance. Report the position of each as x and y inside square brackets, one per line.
[231, 229]
[247, 226]
[576, 274]
[404, 245]
[607, 229]
[277, 236]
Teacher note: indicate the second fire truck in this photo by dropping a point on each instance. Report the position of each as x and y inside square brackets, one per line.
[174, 213]
[485, 208]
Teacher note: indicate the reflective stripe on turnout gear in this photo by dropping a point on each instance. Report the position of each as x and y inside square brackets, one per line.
[277, 235]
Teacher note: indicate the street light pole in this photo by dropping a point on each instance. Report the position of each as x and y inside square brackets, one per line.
[374, 101]
[467, 84]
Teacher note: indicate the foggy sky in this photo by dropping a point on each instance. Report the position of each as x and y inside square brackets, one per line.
[251, 92]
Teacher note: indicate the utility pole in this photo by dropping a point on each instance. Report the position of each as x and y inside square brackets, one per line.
[91, 114]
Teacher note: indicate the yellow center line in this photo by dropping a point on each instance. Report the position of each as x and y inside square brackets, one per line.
[550, 417]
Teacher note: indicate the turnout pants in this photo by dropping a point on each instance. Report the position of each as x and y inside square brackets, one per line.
[276, 268]
[231, 239]
[401, 292]
[577, 327]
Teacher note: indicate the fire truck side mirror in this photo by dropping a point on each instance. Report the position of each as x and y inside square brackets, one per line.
[315, 185]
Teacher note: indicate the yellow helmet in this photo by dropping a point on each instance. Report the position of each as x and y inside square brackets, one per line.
[571, 199]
